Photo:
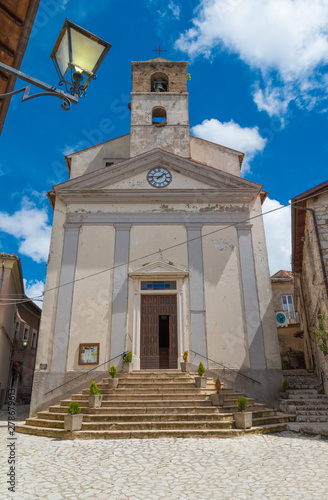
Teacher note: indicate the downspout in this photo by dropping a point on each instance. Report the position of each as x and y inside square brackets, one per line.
[2, 273]
[307, 322]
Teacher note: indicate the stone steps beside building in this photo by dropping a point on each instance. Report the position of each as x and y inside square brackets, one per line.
[303, 400]
[162, 406]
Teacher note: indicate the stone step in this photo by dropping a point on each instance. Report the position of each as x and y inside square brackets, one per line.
[307, 396]
[146, 402]
[150, 391]
[148, 434]
[312, 412]
[311, 418]
[302, 391]
[198, 394]
[98, 414]
[135, 410]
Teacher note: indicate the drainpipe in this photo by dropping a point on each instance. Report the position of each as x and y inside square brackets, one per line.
[307, 322]
[2, 273]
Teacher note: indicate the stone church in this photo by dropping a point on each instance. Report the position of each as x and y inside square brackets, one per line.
[158, 248]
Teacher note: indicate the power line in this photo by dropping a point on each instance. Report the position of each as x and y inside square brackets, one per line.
[164, 250]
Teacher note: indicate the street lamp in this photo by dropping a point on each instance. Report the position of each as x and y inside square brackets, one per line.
[77, 56]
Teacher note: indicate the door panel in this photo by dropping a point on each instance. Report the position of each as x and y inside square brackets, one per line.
[152, 306]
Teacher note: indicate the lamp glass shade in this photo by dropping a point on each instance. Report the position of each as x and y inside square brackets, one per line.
[78, 50]
[62, 55]
[85, 52]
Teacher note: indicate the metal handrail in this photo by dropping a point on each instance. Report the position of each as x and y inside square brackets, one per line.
[227, 367]
[85, 373]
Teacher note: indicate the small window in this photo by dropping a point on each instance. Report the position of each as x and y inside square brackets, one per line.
[26, 333]
[158, 285]
[158, 115]
[17, 330]
[288, 306]
[34, 339]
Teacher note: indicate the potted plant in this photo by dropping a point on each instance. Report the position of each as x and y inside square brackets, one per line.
[185, 366]
[283, 392]
[112, 381]
[201, 380]
[243, 418]
[127, 363]
[73, 419]
[94, 396]
[217, 398]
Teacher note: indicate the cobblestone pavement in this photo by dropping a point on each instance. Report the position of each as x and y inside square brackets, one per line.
[280, 466]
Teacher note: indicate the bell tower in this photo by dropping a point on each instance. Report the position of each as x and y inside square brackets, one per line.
[159, 107]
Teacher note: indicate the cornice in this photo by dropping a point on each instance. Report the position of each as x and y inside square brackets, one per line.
[147, 196]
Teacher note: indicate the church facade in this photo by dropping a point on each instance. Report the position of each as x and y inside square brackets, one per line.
[158, 248]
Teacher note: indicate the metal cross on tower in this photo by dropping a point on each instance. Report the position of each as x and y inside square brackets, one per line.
[159, 50]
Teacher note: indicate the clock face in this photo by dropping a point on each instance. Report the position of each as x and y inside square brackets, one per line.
[159, 177]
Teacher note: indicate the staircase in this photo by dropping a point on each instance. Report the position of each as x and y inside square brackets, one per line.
[302, 397]
[153, 405]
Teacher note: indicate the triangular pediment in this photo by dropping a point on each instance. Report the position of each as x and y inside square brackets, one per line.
[131, 175]
[158, 269]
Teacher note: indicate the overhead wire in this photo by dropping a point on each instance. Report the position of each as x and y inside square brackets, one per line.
[157, 251]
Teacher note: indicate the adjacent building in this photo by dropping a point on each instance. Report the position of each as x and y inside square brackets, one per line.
[290, 335]
[19, 328]
[310, 266]
[158, 248]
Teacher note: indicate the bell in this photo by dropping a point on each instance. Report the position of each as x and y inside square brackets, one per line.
[159, 88]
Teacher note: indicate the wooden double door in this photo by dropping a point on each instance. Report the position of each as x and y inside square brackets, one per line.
[158, 336]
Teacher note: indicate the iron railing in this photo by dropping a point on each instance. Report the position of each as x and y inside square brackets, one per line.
[85, 373]
[227, 367]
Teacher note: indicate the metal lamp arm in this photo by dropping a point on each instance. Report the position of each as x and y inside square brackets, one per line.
[49, 90]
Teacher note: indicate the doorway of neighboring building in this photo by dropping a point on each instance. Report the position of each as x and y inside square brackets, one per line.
[158, 339]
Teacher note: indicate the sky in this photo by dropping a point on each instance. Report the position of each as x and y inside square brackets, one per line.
[258, 84]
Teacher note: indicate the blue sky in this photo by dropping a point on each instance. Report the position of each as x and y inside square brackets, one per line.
[258, 84]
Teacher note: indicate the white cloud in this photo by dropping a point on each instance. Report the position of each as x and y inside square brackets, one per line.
[230, 134]
[30, 225]
[34, 290]
[175, 9]
[287, 39]
[277, 226]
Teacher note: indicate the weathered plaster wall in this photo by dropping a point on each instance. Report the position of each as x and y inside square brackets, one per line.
[179, 181]
[96, 157]
[173, 137]
[271, 345]
[225, 322]
[215, 156]
[45, 343]
[175, 71]
[91, 311]
[314, 289]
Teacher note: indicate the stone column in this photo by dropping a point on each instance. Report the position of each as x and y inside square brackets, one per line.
[120, 289]
[251, 299]
[196, 288]
[65, 300]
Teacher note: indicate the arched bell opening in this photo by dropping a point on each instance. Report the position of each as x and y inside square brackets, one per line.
[159, 82]
[159, 115]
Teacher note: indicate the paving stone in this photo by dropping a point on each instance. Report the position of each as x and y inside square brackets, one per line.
[249, 467]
